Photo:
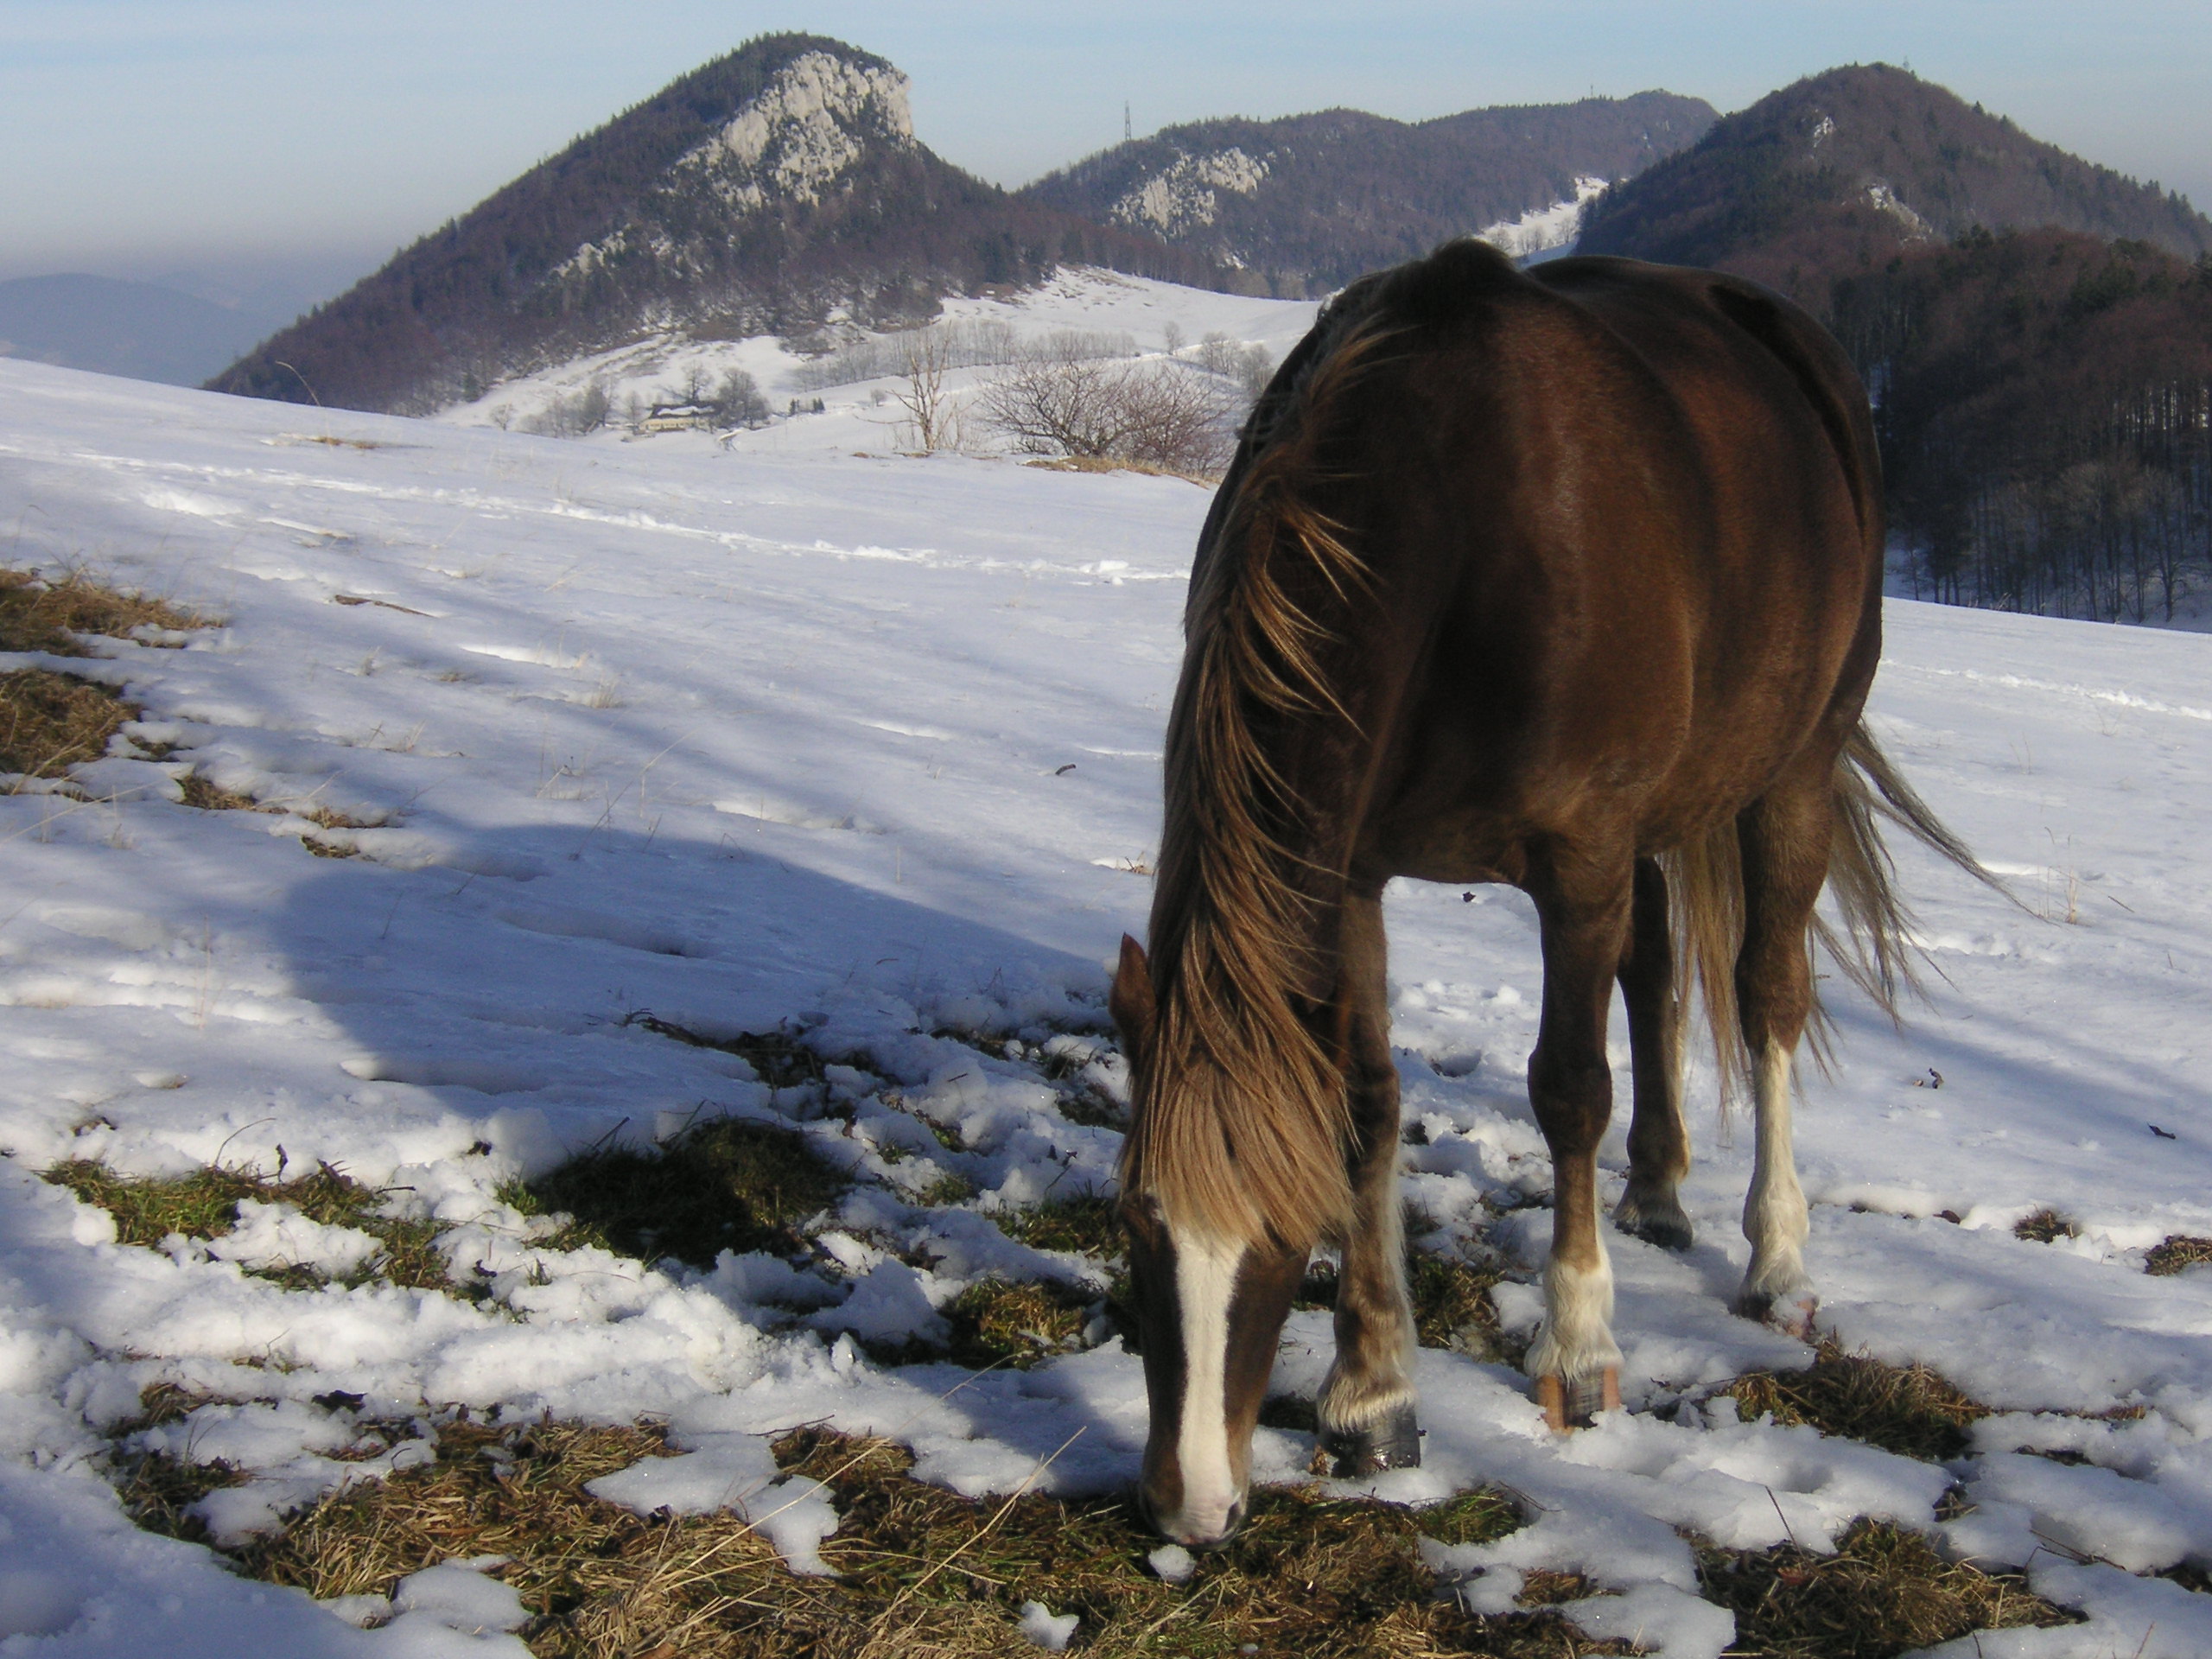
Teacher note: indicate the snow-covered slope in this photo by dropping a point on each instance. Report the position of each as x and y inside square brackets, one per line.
[1133, 313]
[869, 748]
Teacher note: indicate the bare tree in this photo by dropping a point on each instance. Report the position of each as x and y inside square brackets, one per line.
[1057, 401]
[932, 413]
[737, 401]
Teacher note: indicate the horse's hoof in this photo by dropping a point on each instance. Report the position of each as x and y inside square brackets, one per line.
[1665, 1231]
[1393, 1443]
[1573, 1405]
[1792, 1315]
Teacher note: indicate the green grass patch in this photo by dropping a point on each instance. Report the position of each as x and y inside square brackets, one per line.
[205, 1205]
[725, 1184]
[996, 1322]
[1885, 1591]
[1088, 1225]
[1908, 1409]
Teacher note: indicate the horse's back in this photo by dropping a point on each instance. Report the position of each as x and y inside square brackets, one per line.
[1625, 520]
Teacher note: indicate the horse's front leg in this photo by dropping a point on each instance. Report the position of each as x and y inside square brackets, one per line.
[1582, 903]
[1366, 1408]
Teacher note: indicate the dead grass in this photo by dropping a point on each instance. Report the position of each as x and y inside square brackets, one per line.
[50, 721]
[1107, 464]
[721, 1185]
[921, 1572]
[199, 793]
[2176, 1253]
[204, 1204]
[778, 1058]
[38, 615]
[2044, 1227]
[1885, 1591]
[1911, 1410]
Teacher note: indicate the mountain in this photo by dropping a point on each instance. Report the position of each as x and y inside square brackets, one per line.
[1308, 202]
[2036, 330]
[1842, 171]
[136, 329]
[774, 190]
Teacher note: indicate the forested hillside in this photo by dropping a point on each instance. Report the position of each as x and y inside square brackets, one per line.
[1308, 202]
[2036, 329]
[770, 191]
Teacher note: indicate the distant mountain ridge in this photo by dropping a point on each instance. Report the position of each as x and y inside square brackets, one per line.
[1308, 202]
[773, 190]
[1841, 171]
[140, 330]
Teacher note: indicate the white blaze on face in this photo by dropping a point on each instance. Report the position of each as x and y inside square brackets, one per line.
[1205, 1284]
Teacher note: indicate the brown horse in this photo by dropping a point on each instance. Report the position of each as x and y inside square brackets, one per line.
[1570, 579]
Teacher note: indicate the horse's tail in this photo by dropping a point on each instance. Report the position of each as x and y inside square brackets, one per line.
[1870, 941]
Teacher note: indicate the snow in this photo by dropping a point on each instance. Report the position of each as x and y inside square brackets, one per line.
[1046, 1628]
[1549, 230]
[861, 416]
[866, 748]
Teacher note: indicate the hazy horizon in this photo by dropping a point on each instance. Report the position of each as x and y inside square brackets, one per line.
[246, 151]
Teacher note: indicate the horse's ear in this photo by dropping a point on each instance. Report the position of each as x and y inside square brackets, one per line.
[1132, 1004]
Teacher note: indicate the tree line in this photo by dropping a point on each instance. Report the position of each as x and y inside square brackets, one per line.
[2044, 404]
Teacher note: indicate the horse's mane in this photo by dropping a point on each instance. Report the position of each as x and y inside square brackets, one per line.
[1241, 1121]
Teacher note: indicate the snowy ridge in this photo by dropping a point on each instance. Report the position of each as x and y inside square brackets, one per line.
[1541, 230]
[866, 750]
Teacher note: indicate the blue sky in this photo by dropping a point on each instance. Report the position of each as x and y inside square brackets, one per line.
[246, 136]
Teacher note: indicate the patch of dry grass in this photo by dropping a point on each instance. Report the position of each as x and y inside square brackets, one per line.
[1108, 464]
[40, 615]
[2044, 1227]
[204, 1204]
[921, 1572]
[725, 1184]
[50, 721]
[1910, 1409]
[1885, 1591]
[2176, 1253]
[778, 1058]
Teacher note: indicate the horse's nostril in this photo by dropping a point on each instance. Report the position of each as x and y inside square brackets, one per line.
[1235, 1520]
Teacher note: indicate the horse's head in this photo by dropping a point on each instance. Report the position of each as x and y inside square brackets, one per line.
[1209, 1313]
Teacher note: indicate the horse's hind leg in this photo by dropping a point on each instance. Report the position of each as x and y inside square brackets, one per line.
[1658, 1144]
[1785, 840]
[1365, 1412]
[1583, 904]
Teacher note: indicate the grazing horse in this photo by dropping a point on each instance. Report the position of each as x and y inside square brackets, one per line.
[1569, 579]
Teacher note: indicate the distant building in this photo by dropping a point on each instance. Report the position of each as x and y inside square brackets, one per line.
[676, 417]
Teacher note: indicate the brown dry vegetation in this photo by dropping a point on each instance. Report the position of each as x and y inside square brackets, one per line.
[921, 1572]
[1911, 1410]
[1885, 1591]
[2044, 1227]
[51, 721]
[2176, 1253]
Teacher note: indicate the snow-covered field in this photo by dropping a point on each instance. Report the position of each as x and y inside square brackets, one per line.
[1146, 317]
[868, 747]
